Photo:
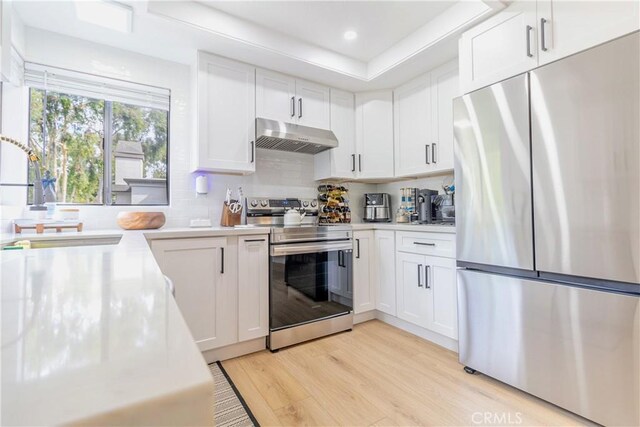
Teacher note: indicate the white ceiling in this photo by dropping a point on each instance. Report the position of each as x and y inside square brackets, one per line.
[398, 40]
[379, 24]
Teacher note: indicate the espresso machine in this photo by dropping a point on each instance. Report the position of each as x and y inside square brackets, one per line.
[426, 213]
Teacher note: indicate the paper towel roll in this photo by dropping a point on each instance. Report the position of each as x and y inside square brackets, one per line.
[202, 186]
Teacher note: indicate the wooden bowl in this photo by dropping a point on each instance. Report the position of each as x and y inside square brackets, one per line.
[141, 220]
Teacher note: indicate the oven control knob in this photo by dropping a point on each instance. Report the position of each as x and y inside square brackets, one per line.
[314, 203]
[305, 204]
[254, 203]
[264, 203]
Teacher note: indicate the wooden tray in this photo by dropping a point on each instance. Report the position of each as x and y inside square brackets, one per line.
[41, 225]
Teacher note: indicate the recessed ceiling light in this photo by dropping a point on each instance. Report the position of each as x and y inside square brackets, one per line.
[350, 35]
[108, 14]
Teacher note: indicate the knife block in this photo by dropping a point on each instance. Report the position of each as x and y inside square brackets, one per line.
[228, 218]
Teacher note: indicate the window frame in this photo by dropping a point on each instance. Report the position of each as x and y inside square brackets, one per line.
[107, 146]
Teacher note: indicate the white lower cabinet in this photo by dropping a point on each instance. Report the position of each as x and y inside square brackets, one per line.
[442, 300]
[205, 288]
[222, 300]
[363, 272]
[410, 288]
[385, 276]
[253, 287]
[426, 292]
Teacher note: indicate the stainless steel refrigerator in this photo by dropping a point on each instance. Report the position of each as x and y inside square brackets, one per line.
[547, 168]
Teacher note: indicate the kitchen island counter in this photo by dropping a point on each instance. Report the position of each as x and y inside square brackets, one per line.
[91, 335]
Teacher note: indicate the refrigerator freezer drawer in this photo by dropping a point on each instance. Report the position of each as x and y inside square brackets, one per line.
[585, 129]
[576, 348]
[493, 176]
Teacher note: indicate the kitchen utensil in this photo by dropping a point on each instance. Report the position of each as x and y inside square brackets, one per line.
[231, 214]
[235, 207]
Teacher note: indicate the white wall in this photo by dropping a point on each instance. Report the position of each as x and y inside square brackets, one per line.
[277, 173]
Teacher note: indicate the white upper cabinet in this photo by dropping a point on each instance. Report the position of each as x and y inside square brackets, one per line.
[445, 87]
[412, 126]
[374, 135]
[340, 162]
[566, 27]
[500, 47]
[275, 96]
[287, 99]
[528, 34]
[423, 116]
[226, 116]
[314, 104]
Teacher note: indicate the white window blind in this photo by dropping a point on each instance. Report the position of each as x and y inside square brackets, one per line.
[97, 87]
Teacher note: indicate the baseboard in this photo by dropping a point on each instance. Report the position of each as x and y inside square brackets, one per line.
[235, 350]
[426, 334]
[364, 317]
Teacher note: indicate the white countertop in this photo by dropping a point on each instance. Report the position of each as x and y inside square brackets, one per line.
[429, 228]
[90, 331]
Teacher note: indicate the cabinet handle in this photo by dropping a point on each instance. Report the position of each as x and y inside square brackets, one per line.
[426, 154]
[293, 106]
[360, 162]
[543, 44]
[419, 273]
[424, 244]
[221, 260]
[427, 273]
[299, 107]
[353, 163]
[529, 28]
[253, 155]
[357, 248]
[433, 152]
[254, 240]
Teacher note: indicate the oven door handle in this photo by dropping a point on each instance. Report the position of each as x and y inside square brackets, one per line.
[309, 248]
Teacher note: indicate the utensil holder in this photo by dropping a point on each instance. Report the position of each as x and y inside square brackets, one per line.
[228, 218]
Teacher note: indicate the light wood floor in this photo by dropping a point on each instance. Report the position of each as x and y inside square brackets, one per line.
[382, 376]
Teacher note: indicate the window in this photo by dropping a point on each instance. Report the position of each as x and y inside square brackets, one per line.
[102, 150]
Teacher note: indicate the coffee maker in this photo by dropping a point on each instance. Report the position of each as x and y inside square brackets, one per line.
[426, 213]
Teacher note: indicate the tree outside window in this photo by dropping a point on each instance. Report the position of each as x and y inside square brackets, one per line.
[75, 136]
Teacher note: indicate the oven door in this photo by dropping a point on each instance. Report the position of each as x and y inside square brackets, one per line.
[309, 282]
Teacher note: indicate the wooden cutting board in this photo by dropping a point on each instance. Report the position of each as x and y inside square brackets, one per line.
[141, 220]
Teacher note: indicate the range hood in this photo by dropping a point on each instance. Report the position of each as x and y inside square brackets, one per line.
[275, 135]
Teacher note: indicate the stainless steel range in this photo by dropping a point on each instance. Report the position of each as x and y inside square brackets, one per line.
[310, 278]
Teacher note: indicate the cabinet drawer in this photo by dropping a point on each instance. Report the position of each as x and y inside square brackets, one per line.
[435, 244]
